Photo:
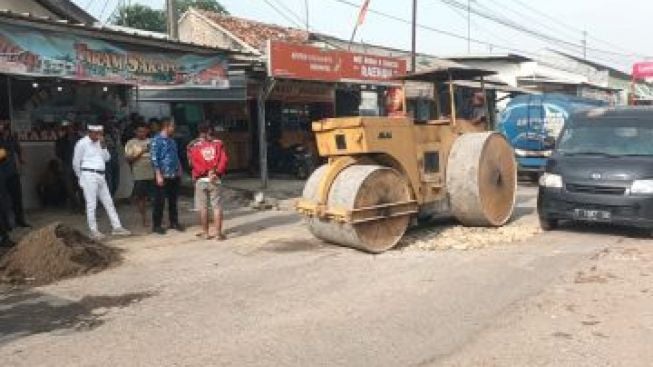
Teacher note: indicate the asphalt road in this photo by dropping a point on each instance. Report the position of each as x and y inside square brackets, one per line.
[273, 296]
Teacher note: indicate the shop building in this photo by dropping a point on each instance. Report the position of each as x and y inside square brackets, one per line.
[52, 70]
[327, 82]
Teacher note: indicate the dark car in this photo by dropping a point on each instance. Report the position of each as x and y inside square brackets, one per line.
[601, 170]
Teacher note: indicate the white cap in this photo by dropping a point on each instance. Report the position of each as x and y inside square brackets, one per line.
[65, 123]
[96, 128]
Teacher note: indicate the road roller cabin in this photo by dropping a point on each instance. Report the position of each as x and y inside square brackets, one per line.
[382, 172]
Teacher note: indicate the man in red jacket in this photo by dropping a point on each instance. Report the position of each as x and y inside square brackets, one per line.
[209, 163]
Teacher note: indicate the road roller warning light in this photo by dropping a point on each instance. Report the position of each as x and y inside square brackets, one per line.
[383, 172]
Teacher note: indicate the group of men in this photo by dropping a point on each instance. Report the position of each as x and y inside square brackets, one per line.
[11, 158]
[157, 173]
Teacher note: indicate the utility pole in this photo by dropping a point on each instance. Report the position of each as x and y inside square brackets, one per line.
[413, 55]
[584, 45]
[307, 16]
[469, 26]
[171, 11]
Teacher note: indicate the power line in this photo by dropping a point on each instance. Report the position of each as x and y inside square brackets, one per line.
[88, 4]
[289, 11]
[433, 29]
[573, 49]
[565, 25]
[476, 25]
[104, 8]
[542, 36]
[282, 14]
[441, 31]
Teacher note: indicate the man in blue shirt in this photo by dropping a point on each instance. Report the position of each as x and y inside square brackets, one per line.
[167, 170]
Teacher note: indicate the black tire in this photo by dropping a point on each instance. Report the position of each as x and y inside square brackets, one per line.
[548, 224]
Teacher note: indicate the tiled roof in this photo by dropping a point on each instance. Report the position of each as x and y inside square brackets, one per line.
[256, 34]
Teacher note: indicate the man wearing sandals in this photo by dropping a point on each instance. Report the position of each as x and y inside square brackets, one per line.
[209, 164]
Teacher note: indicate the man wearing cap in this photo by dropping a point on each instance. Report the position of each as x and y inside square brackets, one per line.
[89, 163]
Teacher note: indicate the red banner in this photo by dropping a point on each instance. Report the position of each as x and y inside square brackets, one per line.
[291, 61]
[643, 70]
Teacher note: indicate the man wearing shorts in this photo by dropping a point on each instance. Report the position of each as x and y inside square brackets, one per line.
[137, 151]
[209, 162]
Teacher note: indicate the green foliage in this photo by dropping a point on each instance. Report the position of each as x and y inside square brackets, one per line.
[144, 17]
[140, 17]
[210, 5]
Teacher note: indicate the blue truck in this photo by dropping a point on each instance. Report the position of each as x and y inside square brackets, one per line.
[532, 124]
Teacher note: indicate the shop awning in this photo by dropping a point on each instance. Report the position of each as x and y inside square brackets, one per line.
[447, 73]
[237, 91]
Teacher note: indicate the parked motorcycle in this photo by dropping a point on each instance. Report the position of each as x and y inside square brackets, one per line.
[296, 160]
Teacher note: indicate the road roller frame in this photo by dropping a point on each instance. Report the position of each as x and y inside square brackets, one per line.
[418, 154]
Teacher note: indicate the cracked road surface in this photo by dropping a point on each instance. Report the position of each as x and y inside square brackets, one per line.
[274, 296]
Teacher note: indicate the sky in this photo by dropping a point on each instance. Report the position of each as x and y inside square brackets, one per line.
[617, 31]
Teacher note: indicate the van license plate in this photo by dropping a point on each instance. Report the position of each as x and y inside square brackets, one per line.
[592, 215]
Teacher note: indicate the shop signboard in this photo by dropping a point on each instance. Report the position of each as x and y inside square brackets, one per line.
[643, 70]
[294, 91]
[32, 52]
[301, 62]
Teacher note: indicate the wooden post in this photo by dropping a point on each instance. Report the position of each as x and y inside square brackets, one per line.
[436, 97]
[486, 106]
[10, 98]
[171, 15]
[262, 136]
[452, 97]
[263, 93]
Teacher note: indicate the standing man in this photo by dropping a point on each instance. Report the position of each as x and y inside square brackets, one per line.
[64, 149]
[167, 173]
[5, 240]
[10, 168]
[89, 162]
[209, 162]
[111, 138]
[137, 152]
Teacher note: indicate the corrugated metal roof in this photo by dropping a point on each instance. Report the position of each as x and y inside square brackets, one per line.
[67, 9]
[490, 57]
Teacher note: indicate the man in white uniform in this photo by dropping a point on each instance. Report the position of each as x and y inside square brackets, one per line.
[89, 163]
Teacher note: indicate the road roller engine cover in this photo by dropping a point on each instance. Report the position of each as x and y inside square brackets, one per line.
[383, 172]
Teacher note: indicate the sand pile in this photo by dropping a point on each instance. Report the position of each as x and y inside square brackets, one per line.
[52, 253]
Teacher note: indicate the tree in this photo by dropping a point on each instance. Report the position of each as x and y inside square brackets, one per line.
[209, 5]
[140, 17]
[144, 17]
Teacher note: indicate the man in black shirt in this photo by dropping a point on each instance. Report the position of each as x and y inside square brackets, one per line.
[5, 241]
[64, 149]
[9, 168]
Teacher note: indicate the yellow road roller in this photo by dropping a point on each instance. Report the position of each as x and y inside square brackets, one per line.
[383, 172]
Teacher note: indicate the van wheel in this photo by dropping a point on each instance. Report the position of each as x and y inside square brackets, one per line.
[548, 224]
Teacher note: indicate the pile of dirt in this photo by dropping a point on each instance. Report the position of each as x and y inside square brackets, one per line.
[449, 236]
[54, 252]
